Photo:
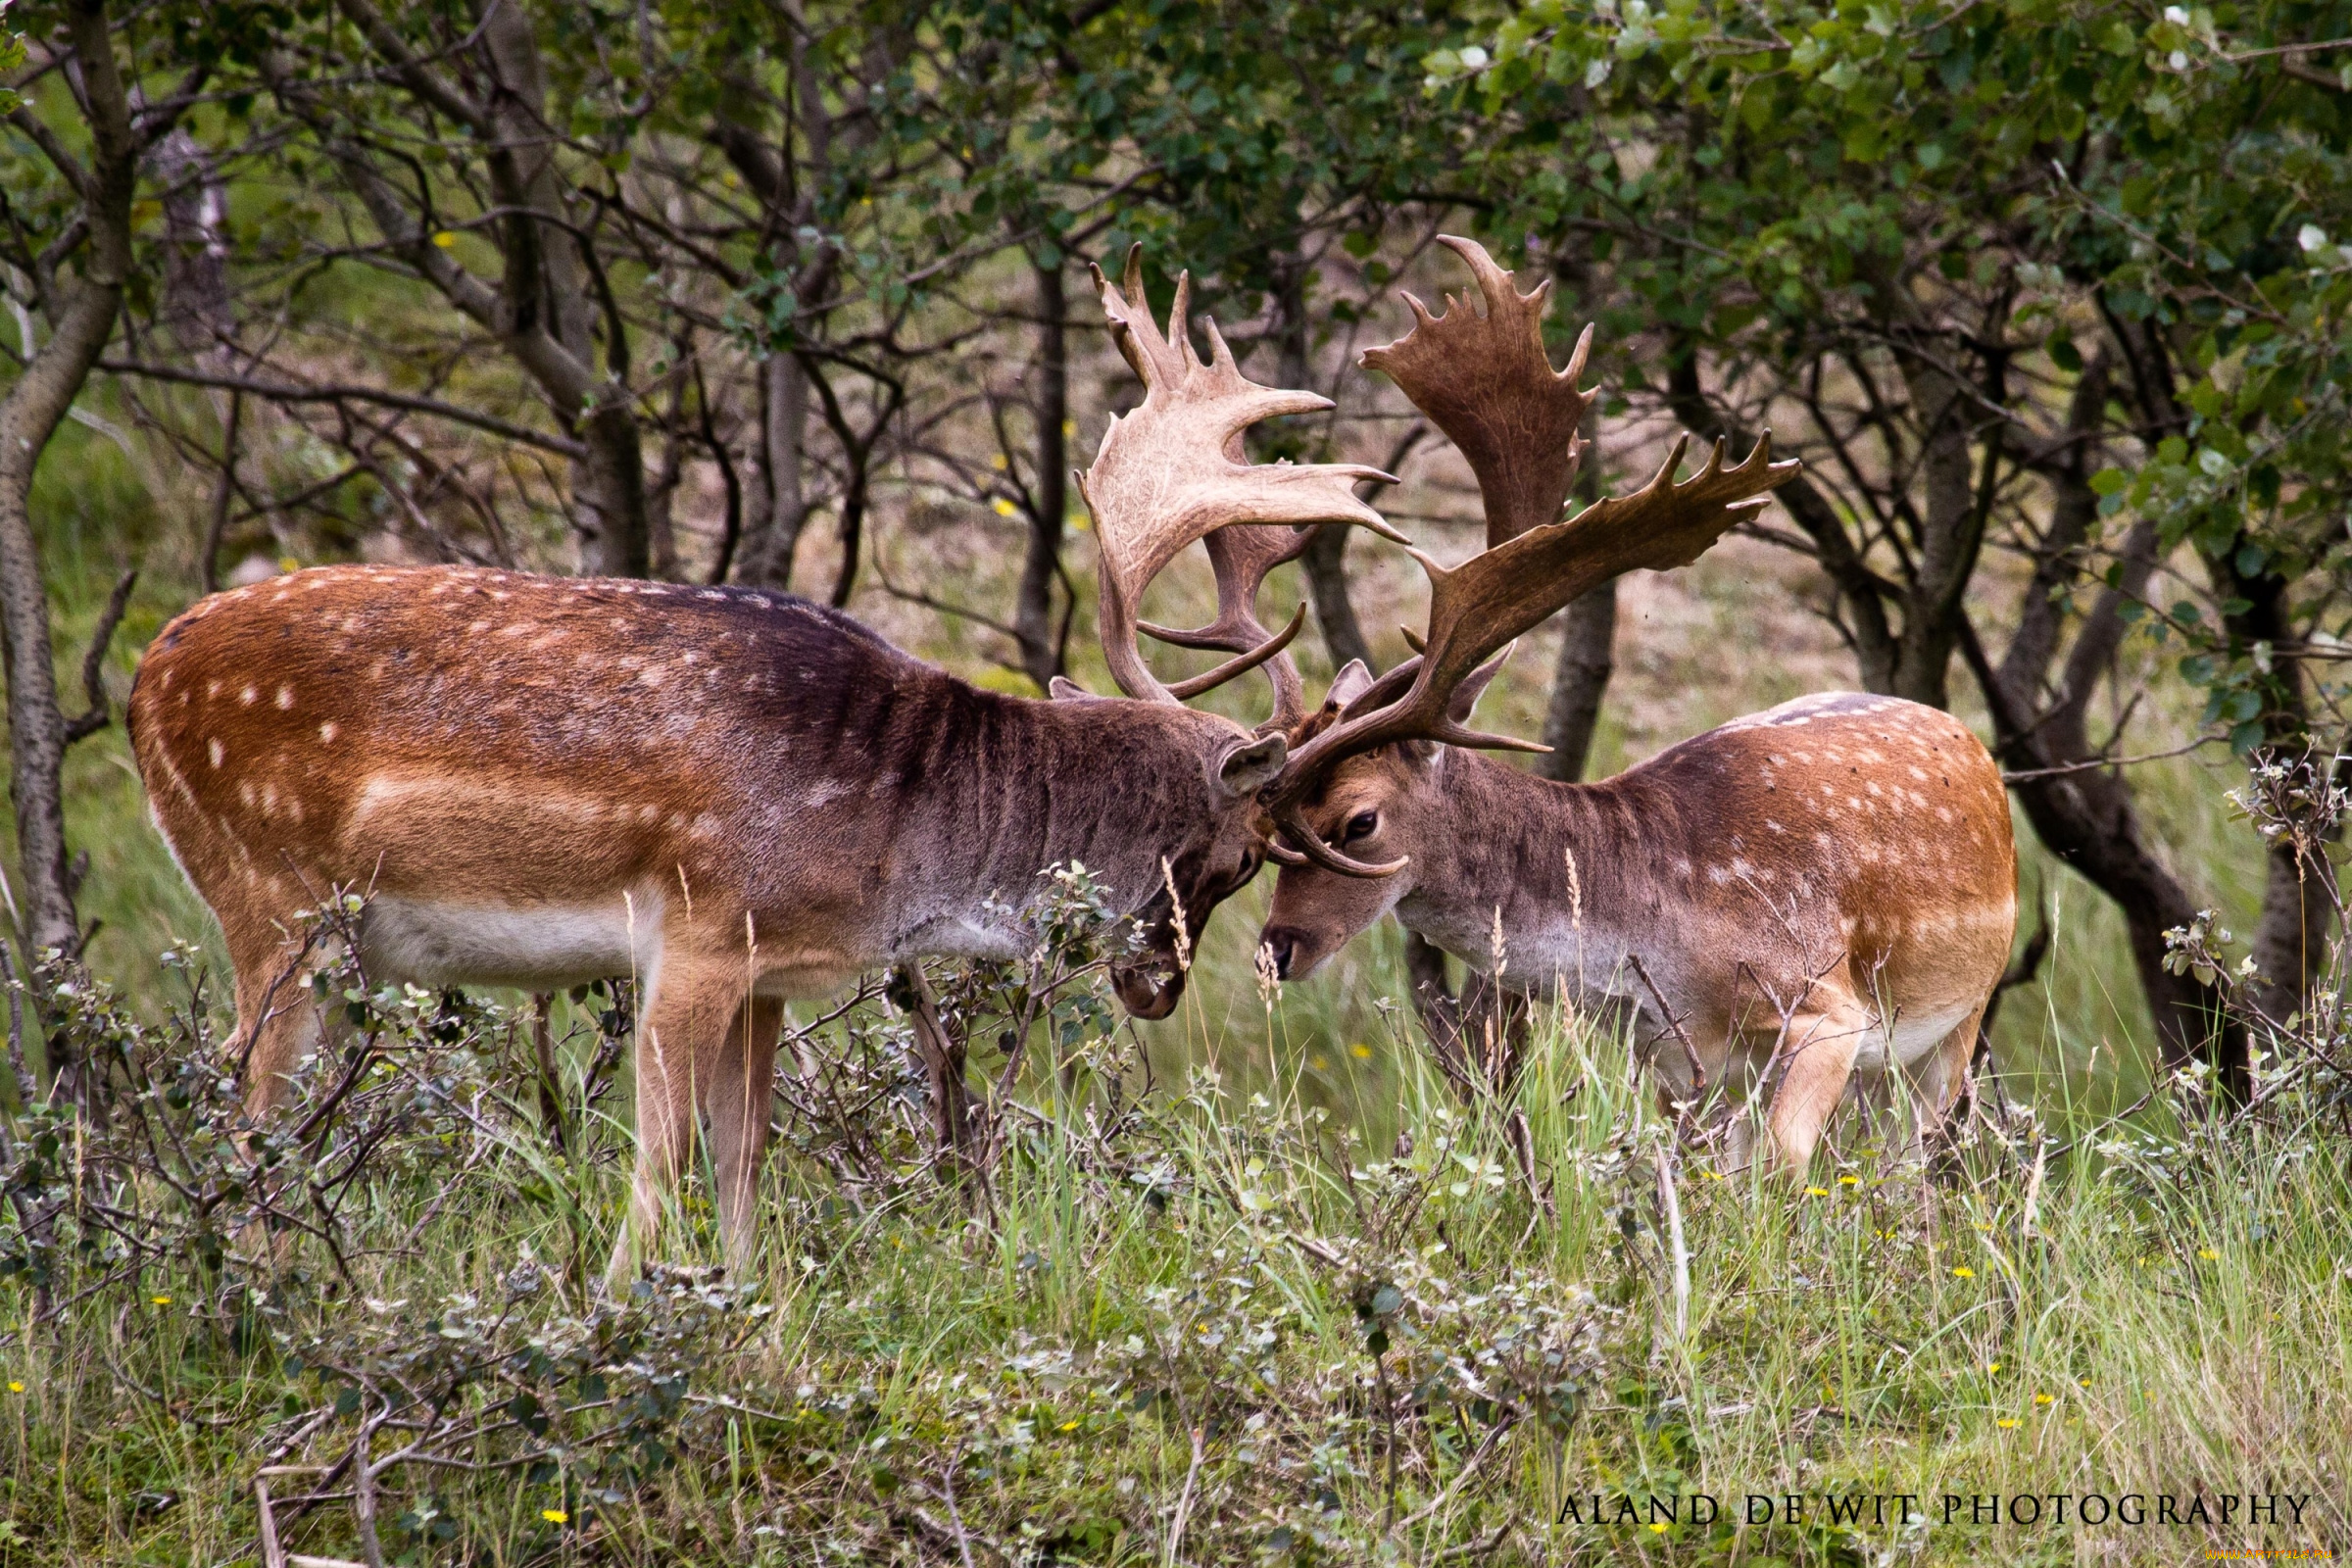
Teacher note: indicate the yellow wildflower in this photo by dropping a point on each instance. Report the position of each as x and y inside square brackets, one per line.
[1361, 1052]
[555, 1516]
[1964, 1272]
[1817, 1192]
[2044, 1398]
[161, 1301]
[2006, 1422]
[445, 239]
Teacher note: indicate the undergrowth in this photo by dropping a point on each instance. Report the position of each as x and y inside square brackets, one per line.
[1129, 1318]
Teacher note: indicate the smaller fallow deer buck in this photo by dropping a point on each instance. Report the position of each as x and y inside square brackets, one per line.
[1816, 896]
[737, 797]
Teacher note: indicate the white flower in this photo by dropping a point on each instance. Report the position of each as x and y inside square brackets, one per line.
[2177, 15]
[2311, 236]
[1474, 57]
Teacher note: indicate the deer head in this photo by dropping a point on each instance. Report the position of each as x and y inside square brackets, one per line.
[1168, 473]
[1362, 783]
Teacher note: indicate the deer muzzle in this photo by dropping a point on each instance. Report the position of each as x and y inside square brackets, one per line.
[1149, 989]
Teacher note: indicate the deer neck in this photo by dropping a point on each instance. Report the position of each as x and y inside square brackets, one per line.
[1549, 875]
[1113, 786]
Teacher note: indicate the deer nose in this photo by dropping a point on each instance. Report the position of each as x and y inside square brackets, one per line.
[1280, 946]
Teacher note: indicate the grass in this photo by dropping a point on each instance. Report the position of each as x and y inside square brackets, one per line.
[2160, 1314]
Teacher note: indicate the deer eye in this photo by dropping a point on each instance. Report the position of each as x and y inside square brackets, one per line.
[1359, 826]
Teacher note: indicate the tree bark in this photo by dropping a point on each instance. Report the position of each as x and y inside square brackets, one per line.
[30, 414]
[552, 295]
[1586, 661]
[1858, 589]
[1325, 559]
[782, 509]
[1033, 610]
[2298, 905]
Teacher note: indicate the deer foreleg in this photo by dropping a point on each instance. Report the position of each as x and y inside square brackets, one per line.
[736, 1098]
[680, 1036]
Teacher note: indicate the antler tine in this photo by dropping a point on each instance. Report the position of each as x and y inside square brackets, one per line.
[1496, 596]
[1242, 555]
[1172, 471]
[1487, 383]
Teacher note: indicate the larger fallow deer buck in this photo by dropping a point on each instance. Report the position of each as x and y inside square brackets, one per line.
[738, 797]
[1818, 895]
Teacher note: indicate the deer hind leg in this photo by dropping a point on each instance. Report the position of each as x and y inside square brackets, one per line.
[278, 1021]
[1936, 1081]
[1818, 1056]
[736, 1098]
[688, 1007]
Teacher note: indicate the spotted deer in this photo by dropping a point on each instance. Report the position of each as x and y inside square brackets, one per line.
[1820, 893]
[737, 797]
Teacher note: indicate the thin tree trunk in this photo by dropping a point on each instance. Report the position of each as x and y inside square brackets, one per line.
[1582, 678]
[1325, 565]
[1866, 625]
[1325, 561]
[29, 415]
[782, 509]
[1033, 611]
[2298, 906]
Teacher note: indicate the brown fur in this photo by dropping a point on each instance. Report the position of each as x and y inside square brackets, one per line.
[739, 796]
[1826, 879]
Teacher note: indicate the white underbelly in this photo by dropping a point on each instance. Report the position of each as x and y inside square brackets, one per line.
[537, 947]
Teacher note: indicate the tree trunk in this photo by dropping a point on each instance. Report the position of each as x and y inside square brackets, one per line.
[1033, 613]
[29, 415]
[781, 510]
[2298, 905]
[1325, 561]
[1586, 661]
[1324, 564]
[1865, 623]
[2085, 818]
[609, 485]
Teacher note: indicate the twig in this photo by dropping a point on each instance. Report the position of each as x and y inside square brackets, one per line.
[2042, 1163]
[1672, 1205]
[2024, 774]
[963, 1540]
[1699, 1072]
[93, 659]
[1184, 1500]
[1461, 1478]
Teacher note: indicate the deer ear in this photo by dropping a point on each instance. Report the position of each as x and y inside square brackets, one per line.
[1248, 765]
[1062, 689]
[1349, 684]
[1474, 685]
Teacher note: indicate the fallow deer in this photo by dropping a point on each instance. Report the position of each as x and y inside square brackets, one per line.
[1817, 894]
[738, 797]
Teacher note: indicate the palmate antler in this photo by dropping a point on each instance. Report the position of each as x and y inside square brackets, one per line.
[1486, 381]
[1487, 384]
[1173, 471]
[1242, 555]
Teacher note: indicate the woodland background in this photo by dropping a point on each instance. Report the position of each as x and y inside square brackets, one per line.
[2052, 298]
